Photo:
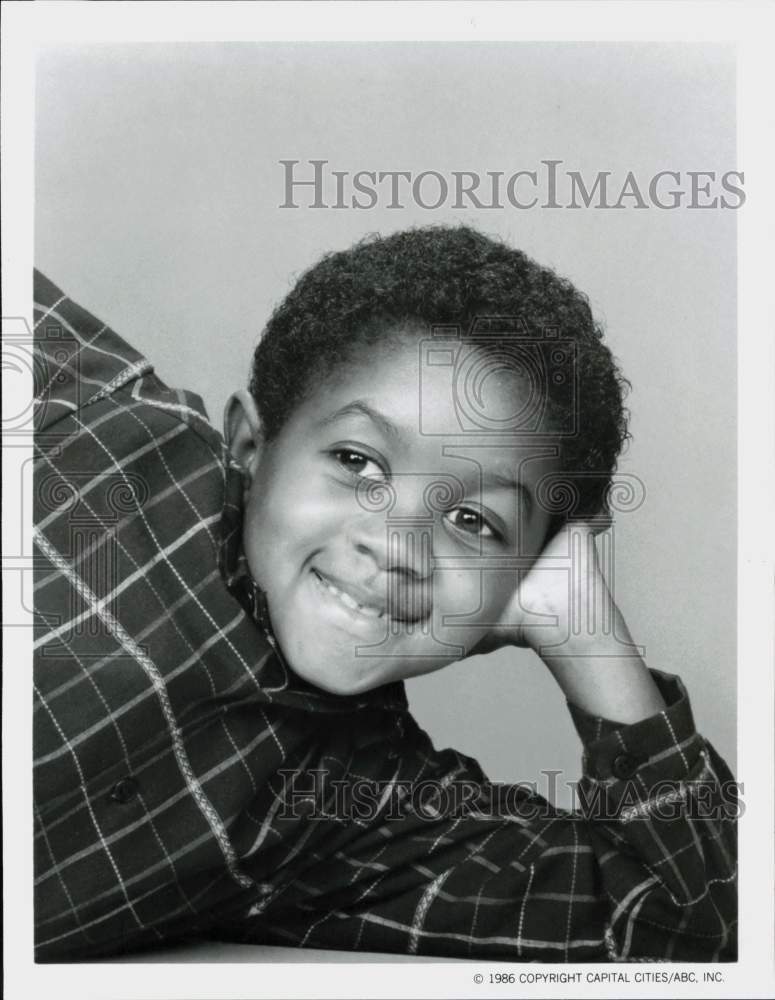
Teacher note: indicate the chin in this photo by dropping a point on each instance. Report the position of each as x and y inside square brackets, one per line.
[341, 679]
[332, 667]
[354, 676]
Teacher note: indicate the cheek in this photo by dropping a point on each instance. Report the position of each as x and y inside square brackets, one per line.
[287, 515]
[479, 594]
[534, 536]
[498, 589]
[268, 530]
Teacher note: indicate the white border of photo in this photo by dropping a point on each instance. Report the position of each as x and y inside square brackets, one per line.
[751, 27]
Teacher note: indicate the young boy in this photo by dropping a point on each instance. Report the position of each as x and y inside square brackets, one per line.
[239, 761]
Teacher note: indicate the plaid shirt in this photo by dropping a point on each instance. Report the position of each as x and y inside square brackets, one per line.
[186, 782]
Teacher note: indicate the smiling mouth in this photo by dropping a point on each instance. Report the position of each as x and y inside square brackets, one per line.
[348, 601]
[404, 606]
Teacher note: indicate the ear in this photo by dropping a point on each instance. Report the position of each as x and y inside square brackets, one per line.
[242, 430]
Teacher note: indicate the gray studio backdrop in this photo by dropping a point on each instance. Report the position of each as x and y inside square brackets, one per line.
[158, 188]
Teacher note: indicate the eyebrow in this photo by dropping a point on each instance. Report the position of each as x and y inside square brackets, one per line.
[499, 481]
[360, 408]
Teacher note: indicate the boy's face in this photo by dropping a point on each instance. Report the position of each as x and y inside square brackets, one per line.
[384, 549]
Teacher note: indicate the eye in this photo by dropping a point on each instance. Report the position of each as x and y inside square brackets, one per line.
[358, 464]
[470, 521]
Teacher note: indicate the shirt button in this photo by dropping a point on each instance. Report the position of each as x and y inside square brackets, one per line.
[124, 790]
[624, 766]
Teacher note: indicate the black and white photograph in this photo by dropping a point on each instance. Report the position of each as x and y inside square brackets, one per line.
[384, 531]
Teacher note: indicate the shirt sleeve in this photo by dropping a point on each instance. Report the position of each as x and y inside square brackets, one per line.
[408, 849]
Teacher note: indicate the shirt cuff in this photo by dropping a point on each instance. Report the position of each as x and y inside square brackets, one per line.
[662, 747]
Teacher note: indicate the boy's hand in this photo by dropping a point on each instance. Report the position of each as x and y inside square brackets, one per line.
[564, 611]
[552, 599]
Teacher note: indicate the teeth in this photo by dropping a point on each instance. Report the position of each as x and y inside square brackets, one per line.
[350, 602]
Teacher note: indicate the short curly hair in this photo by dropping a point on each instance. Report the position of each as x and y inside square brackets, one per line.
[421, 278]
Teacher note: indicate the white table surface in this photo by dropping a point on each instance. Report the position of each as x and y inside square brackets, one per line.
[218, 951]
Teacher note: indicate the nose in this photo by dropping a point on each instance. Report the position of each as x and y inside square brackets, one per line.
[396, 545]
[399, 556]
[393, 526]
